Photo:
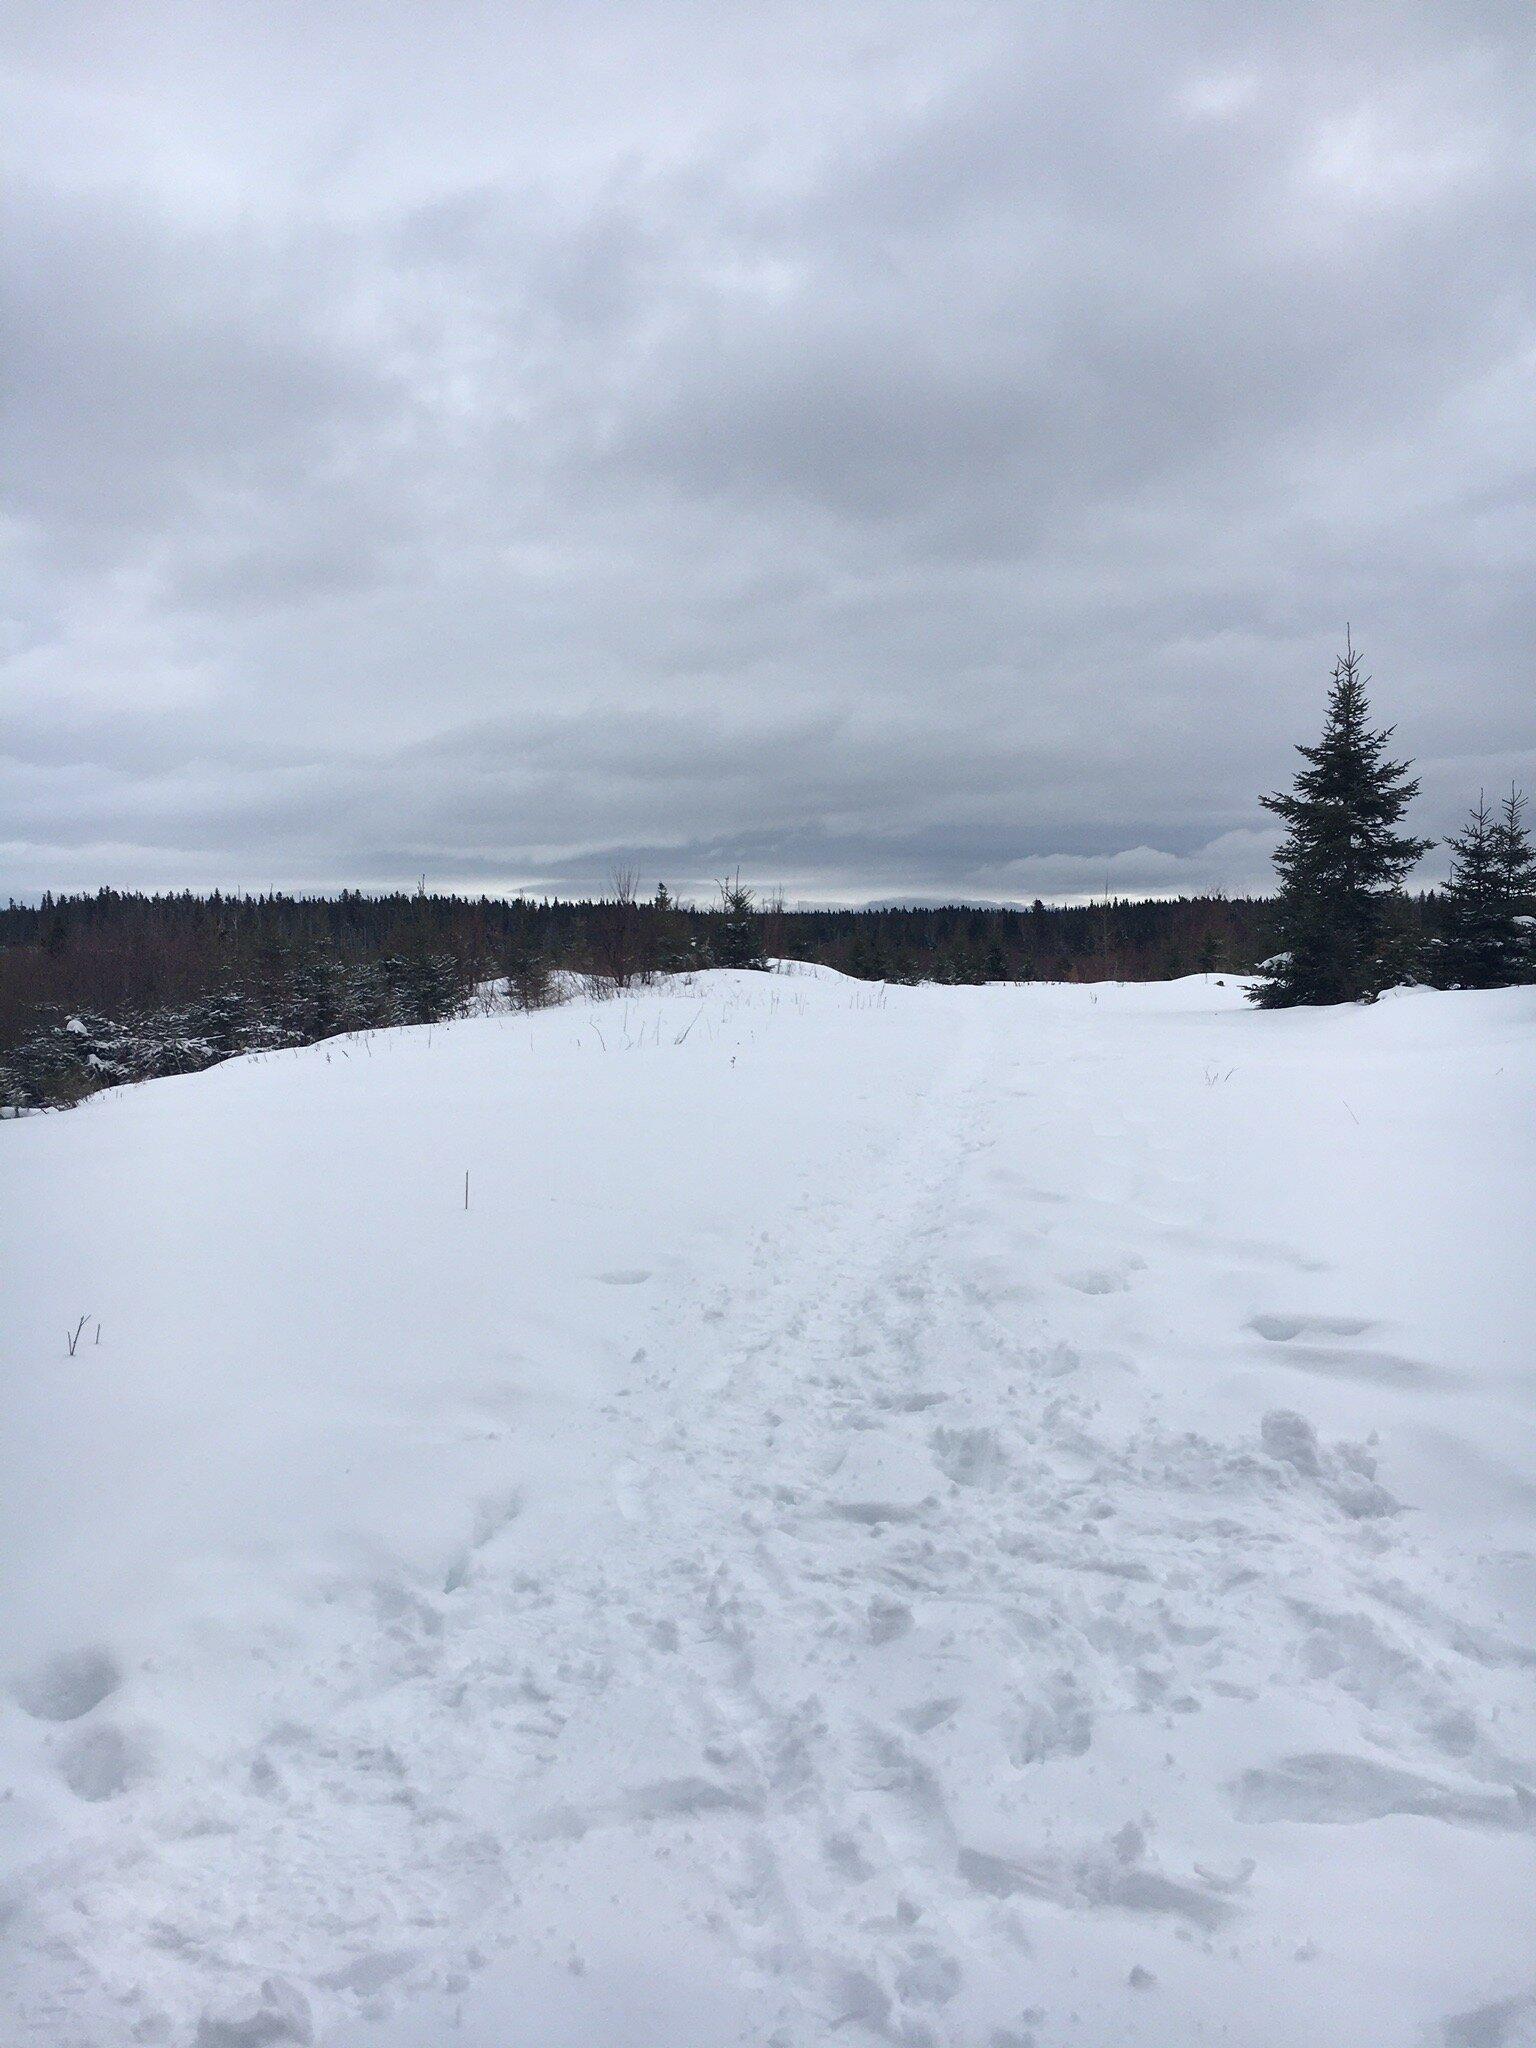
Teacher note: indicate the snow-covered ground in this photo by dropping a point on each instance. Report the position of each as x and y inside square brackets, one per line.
[931, 1516]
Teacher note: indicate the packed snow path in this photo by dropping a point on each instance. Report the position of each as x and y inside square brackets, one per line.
[918, 1516]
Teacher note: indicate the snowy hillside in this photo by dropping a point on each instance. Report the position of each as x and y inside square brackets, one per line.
[932, 1516]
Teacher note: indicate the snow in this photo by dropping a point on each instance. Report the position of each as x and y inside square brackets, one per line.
[966, 1517]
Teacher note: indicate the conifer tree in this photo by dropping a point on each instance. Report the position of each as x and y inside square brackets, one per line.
[1481, 938]
[1514, 852]
[1342, 862]
[670, 940]
[1516, 858]
[738, 935]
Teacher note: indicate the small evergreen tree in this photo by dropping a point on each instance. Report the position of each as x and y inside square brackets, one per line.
[1481, 943]
[668, 933]
[737, 939]
[316, 995]
[526, 972]
[1342, 862]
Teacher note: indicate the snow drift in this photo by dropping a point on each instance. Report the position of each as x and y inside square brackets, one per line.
[893, 1515]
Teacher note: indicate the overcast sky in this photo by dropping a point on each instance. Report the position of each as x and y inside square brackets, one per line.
[904, 449]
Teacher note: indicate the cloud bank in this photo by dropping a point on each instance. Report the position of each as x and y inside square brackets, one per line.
[905, 450]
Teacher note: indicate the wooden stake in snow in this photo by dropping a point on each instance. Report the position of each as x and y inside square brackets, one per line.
[466, 1187]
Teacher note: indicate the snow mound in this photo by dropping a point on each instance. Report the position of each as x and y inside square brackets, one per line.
[920, 1516]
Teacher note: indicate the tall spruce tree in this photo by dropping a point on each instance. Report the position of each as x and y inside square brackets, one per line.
[1342, 862]
[1515, 853]
[1481, 940]
[1516, 858]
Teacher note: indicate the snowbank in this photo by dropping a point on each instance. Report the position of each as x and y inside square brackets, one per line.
[893, 1515]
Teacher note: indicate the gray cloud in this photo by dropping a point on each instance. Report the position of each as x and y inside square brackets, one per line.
[917, 449]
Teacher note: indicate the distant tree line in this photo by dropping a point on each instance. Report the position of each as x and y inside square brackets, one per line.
[118, 986]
